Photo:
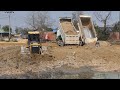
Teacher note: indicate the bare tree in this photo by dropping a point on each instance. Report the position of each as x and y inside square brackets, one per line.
[76, 14]
[30, 20]
[39, 20]
[103, 16]
[75, 17]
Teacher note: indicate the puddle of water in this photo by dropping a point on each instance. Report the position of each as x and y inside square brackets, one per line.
[88, 73]
[106, 75]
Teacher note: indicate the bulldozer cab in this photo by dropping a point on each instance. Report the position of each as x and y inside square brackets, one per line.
[34, 42]
[33, 37]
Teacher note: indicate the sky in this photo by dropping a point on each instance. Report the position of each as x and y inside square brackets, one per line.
[18, 18]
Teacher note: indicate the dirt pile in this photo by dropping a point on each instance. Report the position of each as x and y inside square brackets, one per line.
[68, 28]
[13, 62]
[104, 43]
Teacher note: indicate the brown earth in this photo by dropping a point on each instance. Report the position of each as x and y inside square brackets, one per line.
[20, 42]
[105, 58]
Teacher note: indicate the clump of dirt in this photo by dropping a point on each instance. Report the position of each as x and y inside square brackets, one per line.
[45, 57]
[104, 43]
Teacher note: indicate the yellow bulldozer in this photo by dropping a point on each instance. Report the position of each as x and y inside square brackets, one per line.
[34, 43]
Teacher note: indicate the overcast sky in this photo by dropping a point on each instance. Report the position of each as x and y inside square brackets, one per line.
[18, 17]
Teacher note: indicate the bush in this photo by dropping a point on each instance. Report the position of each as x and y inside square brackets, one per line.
[101, 35]
[14, 40]
[7, 40]
[116, 27]
[1, 39]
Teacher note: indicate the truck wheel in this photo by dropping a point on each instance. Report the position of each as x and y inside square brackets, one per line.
[40, 52]
[97, 44]
[58, 42]
[81, 43]
[62, 44]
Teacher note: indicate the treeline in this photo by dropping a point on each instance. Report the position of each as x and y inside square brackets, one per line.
[6, 28]
[24, 31]
[104, 34]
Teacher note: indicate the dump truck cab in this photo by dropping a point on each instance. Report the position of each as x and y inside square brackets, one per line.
[34, 43]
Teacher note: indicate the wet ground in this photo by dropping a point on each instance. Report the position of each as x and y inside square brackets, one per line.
[64, 73]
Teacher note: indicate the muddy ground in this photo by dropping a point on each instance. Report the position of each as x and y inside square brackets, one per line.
[68, 62]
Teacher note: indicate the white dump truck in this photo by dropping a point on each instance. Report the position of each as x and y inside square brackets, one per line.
[67, 33]
[87, 30]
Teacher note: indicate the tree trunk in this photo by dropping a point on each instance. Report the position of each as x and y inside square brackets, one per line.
[104, 27]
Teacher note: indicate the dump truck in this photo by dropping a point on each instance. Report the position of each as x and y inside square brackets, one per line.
[67, 33]
[86, 29]
[34, 43]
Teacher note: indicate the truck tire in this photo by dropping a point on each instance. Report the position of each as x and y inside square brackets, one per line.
[97, 44]
[58, 42]
[81, 43]
[62, 44]
[40, 52]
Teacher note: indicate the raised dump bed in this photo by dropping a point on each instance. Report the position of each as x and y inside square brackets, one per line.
[86, 27]
[67, 31]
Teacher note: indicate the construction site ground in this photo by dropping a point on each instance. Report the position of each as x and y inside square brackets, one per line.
[68, 62]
